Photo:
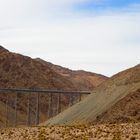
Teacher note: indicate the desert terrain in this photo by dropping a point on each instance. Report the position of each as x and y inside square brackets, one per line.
[110, 112]
[122, 131]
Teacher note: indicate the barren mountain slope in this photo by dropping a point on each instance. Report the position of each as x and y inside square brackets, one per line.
[21, 71]
[82, 79]
[102, 98]
[126, 110]
[18, 71]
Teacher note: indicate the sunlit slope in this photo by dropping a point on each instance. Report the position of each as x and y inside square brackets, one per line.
[102, 98]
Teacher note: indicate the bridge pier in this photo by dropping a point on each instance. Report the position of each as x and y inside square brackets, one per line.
[37, 109]
[80, 97]
[50, 106]
[29, 111]
[59, 103]
[6, 111]
[15, 104]
[71, 100]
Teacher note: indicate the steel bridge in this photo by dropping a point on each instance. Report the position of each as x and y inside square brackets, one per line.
[27, 107]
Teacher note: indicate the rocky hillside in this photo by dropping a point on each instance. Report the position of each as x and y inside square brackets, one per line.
[124, 111]
[24, 72]
[82, 79]
[18, 71]
[119, 89]
[21, 71]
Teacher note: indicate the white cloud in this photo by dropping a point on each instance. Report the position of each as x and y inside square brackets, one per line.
[90, 44]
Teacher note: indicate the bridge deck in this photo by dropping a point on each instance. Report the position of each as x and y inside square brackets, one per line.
[42, 91]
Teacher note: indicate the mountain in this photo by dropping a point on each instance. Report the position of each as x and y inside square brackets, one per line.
[18, 71]
[120, 89]
[24, 72]
[124, 111]
[82, 79]
[3, 50]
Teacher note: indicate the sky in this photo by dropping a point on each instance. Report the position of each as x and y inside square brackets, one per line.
[101, 36]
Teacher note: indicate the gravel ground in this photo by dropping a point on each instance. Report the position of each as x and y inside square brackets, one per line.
[126, 131]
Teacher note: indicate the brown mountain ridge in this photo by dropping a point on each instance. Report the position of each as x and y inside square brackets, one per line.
[80, 78]
[21, 71]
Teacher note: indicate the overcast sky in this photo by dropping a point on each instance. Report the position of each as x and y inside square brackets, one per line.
[102, 36]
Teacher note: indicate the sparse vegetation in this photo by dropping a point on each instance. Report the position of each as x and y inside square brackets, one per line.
[74, 132]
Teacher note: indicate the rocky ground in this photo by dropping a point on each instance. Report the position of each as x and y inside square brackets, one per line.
[125, 131]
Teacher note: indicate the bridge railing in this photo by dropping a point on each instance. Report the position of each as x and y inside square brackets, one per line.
[29, 107]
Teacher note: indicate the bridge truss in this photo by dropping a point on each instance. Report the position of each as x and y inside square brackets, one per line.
[32, 102]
